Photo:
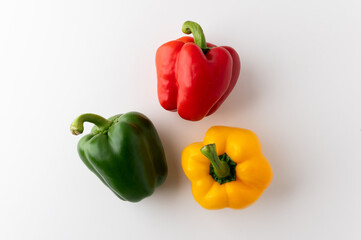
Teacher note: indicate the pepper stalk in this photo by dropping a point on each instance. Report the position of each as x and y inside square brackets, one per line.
[198, 35]
[77, 126]
[221, 168]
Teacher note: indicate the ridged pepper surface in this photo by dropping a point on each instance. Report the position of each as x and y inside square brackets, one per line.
[195, 77]
[124, 152]
[228, 169]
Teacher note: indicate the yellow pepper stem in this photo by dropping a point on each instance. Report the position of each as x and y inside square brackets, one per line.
[221, 168]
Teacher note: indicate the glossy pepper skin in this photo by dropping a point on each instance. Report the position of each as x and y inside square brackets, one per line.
[124, 152]
[195, 77]
[252, 173]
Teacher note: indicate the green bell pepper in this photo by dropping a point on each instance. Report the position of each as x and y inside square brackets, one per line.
[125, 152]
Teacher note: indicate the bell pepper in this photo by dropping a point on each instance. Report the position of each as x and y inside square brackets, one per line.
[228, 169]
[195, 77]
[124, 152]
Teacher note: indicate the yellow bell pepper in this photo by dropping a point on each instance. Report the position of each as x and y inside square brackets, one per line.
[228, 169]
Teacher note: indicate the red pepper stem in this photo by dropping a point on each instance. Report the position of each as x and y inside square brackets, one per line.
[221, 168]
[77, 126]
[198, 35]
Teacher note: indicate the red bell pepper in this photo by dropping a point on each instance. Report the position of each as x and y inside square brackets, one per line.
[195, 77]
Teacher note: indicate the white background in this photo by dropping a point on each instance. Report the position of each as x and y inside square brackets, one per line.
[299, 91]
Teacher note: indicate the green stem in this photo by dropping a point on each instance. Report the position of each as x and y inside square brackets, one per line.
[221, 168]
[198, 35]
[77, 126]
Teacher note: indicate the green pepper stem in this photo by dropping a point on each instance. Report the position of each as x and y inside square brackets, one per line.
[221, 168]
[198, 35]
[77, 126]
